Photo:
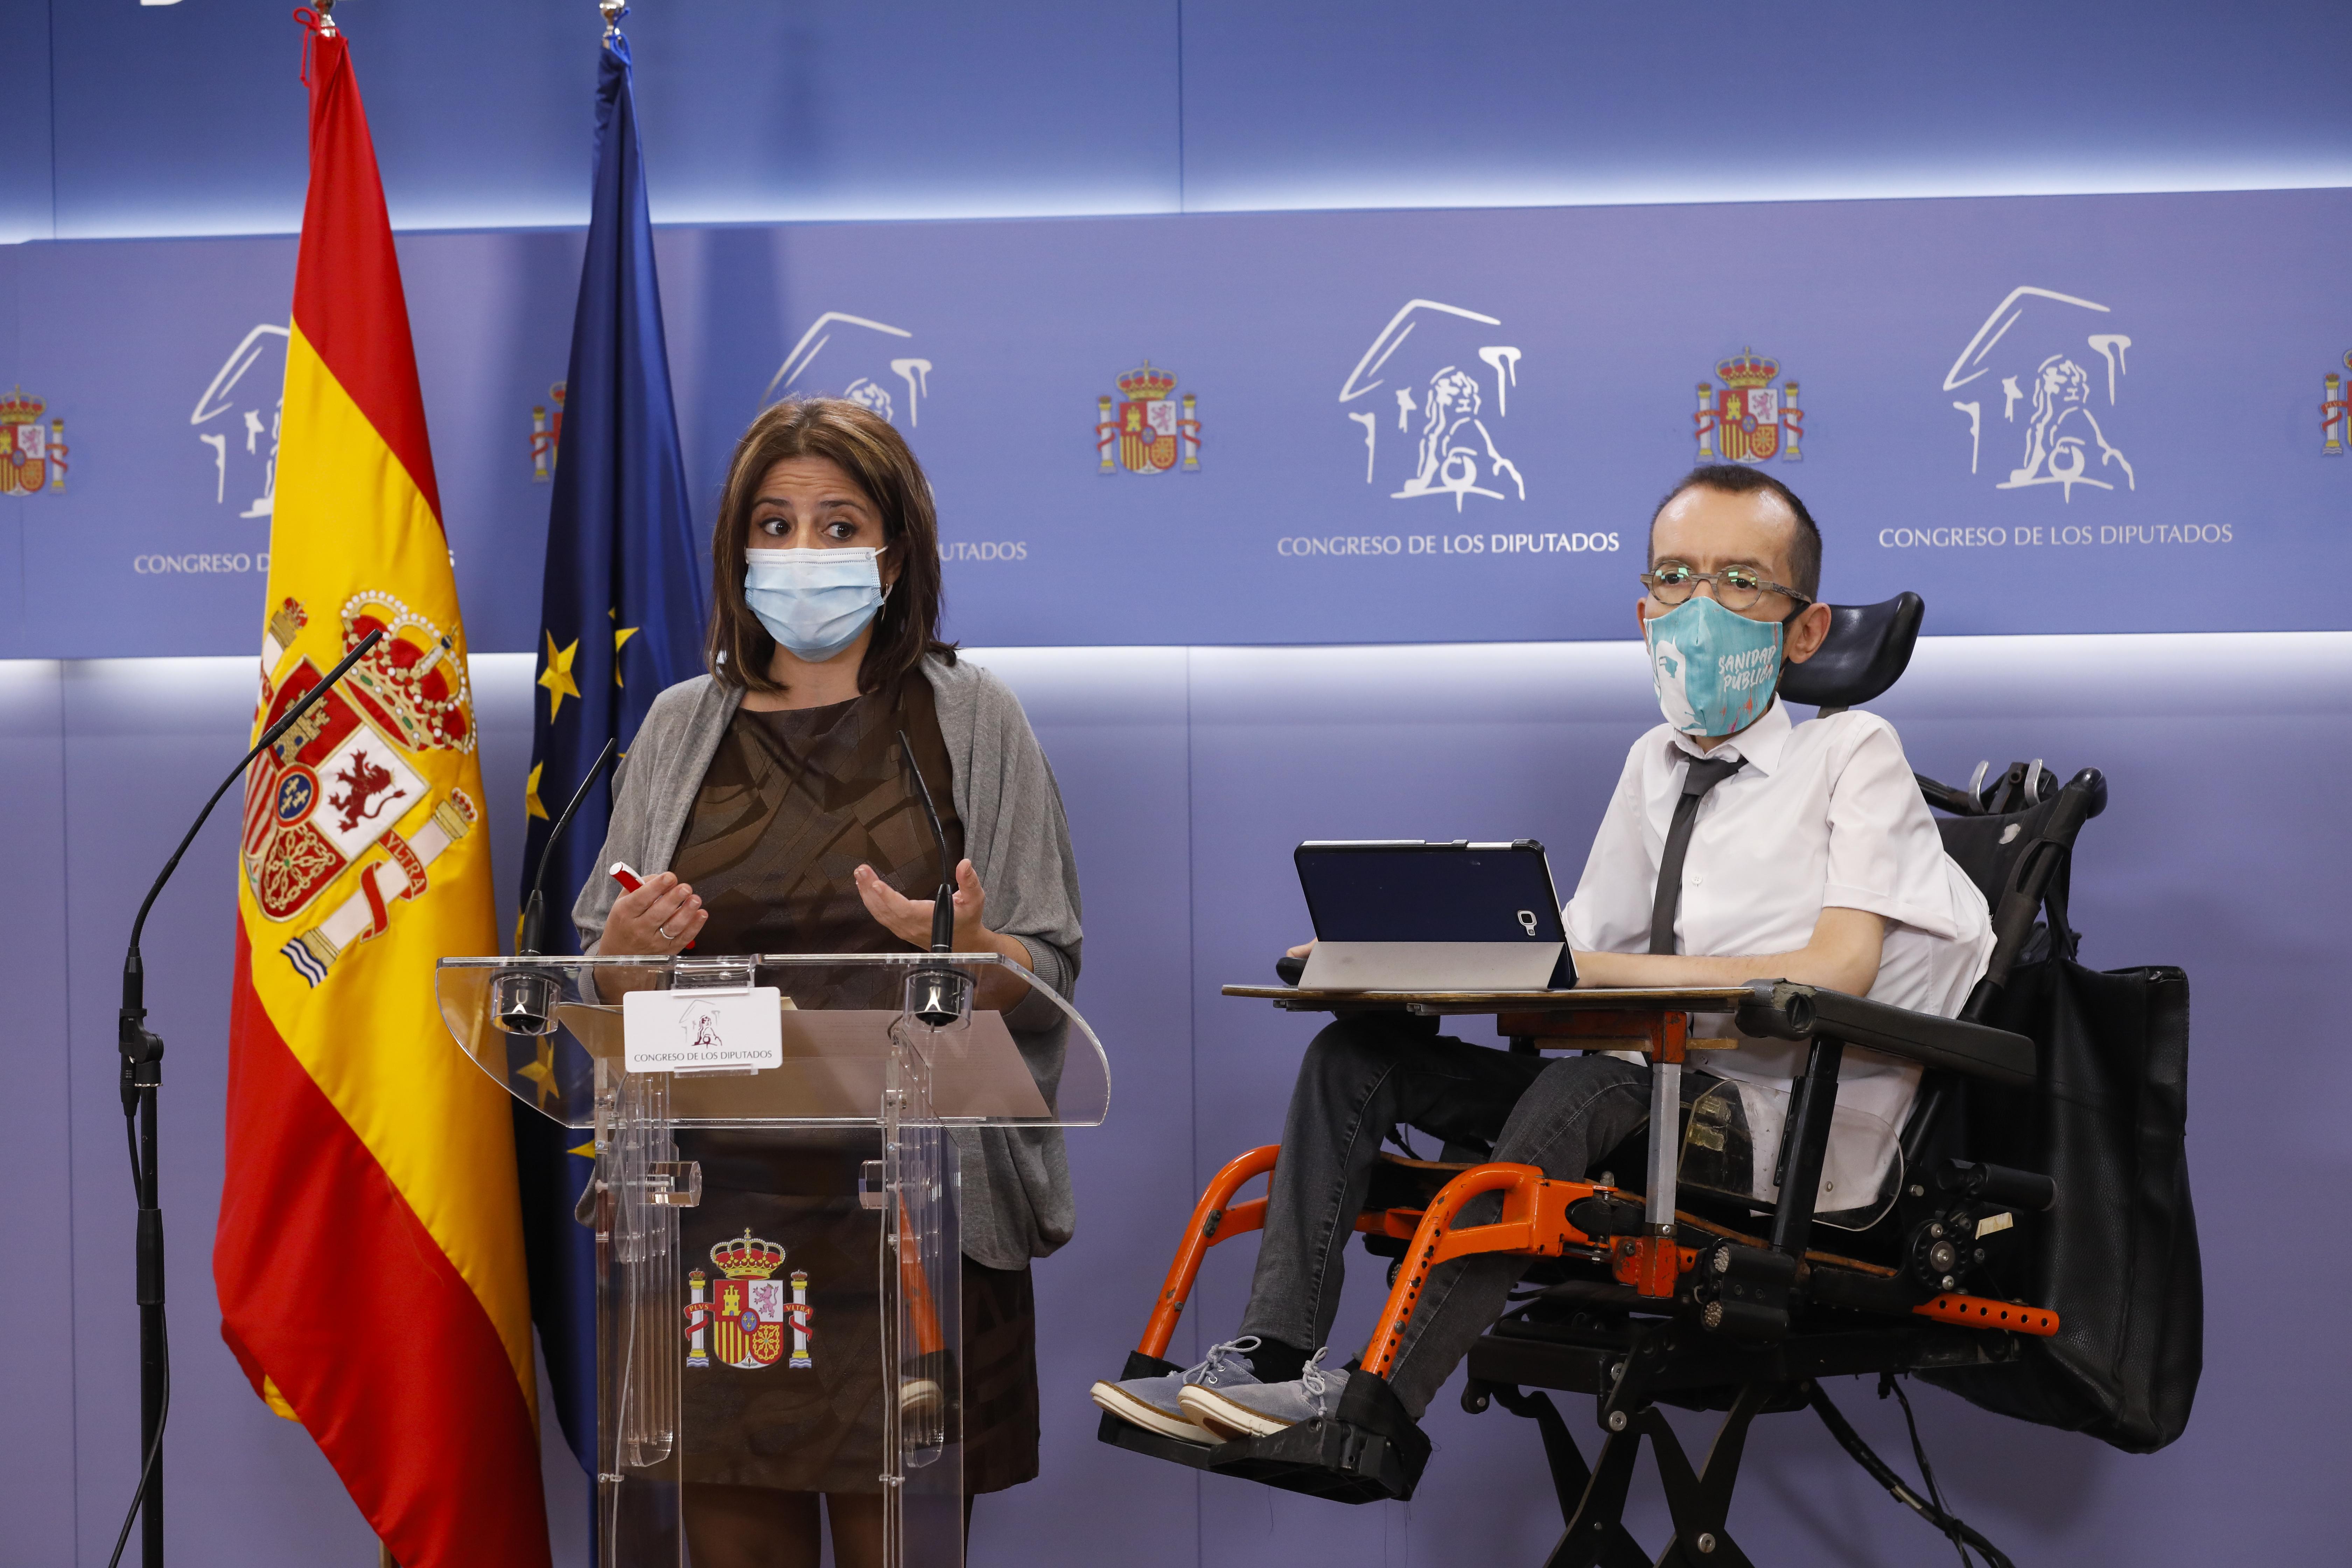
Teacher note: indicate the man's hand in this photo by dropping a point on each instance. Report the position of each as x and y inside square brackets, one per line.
[909, 919]
[660, 917]
[1843, 956]
[1301, 951]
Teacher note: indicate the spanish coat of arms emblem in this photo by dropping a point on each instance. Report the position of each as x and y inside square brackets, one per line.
[32, 455]
[743, 1321]
[1147, 435]
[338, 783]
[1748, 419]
[2335, 412]
[546, 434]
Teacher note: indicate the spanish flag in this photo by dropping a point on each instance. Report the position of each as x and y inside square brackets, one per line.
[370, 1259]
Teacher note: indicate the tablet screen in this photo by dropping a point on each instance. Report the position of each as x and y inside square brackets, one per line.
[1429, 892]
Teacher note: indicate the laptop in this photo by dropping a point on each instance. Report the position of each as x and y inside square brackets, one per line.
[1404, 915]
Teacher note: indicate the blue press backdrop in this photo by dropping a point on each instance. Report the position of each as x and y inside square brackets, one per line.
[2074, 413]
[1108, 149]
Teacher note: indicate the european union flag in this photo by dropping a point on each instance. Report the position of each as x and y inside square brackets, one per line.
[621, 617]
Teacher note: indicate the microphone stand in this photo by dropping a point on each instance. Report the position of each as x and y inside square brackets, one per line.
[940, 994]
[142, 1075]
[523, 1001]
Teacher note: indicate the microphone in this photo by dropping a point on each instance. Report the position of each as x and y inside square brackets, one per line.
[142, 1076]
[936, 993]
[534, 910]
[943, 907]
[523, 1001]
[134, 977]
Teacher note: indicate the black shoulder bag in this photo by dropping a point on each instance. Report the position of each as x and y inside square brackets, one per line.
[2117, 1258]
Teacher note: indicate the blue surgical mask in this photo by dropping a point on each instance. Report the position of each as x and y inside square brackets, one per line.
[814, 602]
[1715, 671]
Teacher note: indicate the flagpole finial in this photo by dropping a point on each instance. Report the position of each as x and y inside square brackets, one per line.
[327, 28]
[612, 11]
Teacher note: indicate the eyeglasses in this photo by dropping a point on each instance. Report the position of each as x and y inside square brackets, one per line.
[1736, 587]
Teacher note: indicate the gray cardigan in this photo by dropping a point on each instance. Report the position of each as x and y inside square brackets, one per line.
[1016, 1182]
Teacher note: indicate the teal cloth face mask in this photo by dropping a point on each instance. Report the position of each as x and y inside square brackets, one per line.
[1715, 671]
[814, 602]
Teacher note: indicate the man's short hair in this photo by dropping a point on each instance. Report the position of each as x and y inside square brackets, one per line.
[1739, 479]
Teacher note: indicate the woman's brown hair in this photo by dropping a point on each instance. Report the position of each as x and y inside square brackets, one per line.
[862, 443]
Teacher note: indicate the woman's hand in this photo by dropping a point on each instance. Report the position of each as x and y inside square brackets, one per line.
[909, 919]
[660, 917]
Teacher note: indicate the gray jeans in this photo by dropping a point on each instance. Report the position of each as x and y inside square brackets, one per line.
[1366, 1074]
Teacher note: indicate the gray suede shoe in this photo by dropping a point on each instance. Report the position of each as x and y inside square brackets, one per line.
[1260, 1409]
[1151, 1403]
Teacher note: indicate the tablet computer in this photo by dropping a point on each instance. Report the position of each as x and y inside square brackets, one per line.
[1405, 915]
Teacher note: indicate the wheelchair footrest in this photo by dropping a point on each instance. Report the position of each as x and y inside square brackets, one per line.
[1369, 1450]
[1121, 1434]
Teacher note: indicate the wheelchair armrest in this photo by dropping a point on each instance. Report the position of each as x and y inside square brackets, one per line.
[1785, 1011]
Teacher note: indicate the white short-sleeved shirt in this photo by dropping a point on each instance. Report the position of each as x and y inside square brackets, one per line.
[1825, 814]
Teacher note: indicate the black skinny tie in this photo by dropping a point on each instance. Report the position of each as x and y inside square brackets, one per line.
[1705, 773]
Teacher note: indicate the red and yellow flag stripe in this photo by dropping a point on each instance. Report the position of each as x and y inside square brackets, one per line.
[369, 1258]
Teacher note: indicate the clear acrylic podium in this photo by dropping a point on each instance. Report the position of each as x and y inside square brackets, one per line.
[880, 1057]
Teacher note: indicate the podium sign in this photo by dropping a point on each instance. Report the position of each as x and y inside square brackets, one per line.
[787, 1355]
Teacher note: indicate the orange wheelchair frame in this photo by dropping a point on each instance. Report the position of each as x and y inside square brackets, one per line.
[1683, 1309]
[1534, 1222]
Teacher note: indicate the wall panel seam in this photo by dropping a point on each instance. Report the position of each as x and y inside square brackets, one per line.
[65, 1044]
[1180, 205]
[1192, 966]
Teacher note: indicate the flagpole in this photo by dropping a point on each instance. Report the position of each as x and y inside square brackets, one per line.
[620, 619]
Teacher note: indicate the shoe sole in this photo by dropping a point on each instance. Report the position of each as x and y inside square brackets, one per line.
[1228, 1419]
[920, 1399]
[1118, 1402]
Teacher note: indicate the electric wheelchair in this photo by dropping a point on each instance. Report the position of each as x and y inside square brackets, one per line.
[1667, 1290]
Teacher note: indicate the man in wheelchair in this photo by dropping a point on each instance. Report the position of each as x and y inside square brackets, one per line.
[1738, 844]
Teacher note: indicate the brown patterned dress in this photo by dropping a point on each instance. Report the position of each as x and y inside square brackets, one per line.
[792, 804]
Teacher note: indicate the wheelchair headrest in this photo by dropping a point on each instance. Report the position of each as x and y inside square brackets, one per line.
[1866, 652]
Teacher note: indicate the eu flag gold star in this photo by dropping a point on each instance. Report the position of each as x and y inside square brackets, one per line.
[530, 802]
[557, 676]
[621, 636]
[542, 1072]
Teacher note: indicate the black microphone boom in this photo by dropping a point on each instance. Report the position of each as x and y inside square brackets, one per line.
[943, 907]
[938, 994]
[268, 738]
[523, 1000]
[534, 910]
[142, 1075]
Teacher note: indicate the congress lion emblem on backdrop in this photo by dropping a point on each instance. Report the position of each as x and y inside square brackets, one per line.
[1449, 435]
[861, 367]
[2039, 385]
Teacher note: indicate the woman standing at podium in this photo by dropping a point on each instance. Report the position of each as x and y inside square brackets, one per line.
[772, 808]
